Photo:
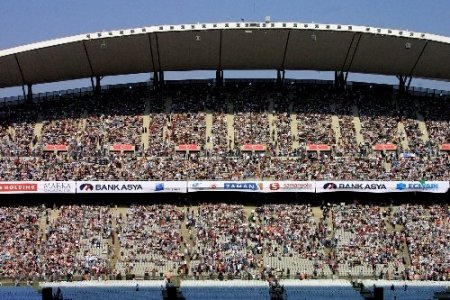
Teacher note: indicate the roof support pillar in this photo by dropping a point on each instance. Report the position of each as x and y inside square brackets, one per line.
[161, 78]
[158, 80]
[403, 84]
[30, 93]
[24, 93]
[93, 84]
[340, 80]
[351, 53]
[219, 78]
[98, 86]
[155, 80]
[280, 78]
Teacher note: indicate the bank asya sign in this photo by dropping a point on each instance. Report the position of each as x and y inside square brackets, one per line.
[354, 186]
[88, 187]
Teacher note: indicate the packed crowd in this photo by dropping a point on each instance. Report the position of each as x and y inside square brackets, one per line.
[114, 120]
[364, 247]
[379, 121]
[186, 123]
[150, 240]
[294, 243]
[283, 136]
[61, 124]
[224, 241]
[251, 121]
[17, 132]
[314, 119]
[284, 122]
[219, 106]
[213, 240]
[19, 228]
[75, 243]
[68, 248]
[436, 116]
[427, 231]
[409, 112]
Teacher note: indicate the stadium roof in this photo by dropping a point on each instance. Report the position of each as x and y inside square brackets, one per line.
[229, 46]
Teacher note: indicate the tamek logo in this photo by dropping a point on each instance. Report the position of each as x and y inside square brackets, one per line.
[159, 187]
[241, 186]
[87, 187]
[329, 186]
[274, 186]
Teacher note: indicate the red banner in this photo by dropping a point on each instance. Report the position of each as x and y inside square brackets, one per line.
[55, 148]
[18, 187]
[122, 147]
[387, 147]
[318, 147]
[253, 147]
[445, 147]
[188, 147]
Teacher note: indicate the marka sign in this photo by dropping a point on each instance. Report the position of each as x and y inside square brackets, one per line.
[38, 187]
[59, 187]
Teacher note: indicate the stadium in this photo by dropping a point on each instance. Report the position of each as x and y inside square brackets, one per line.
[226, 188]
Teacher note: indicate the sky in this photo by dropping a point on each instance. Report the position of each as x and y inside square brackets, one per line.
[27, 21]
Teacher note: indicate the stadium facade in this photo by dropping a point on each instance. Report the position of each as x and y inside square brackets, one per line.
[252, 188]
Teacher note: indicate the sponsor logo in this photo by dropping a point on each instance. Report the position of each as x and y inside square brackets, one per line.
[421, 186]
[241, 186]
[159, 187]
[87, 187]
[18, 187]
[274, 186]
[296, 186]
[329, 186]
[57, 187]
[354, 186]
[198, 186]
[401, 186]
[118, 187]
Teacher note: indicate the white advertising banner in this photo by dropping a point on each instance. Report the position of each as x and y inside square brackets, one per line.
[289, 186]
[439, 187]
[226, 186]
[352, 186]
[111, 187]
[253, 186]
[37, 187]
[382, 186]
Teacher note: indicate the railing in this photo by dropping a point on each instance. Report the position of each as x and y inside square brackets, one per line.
[205, 276]
[89, 91]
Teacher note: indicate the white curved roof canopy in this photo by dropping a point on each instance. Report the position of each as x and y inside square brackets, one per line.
[229, 46]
